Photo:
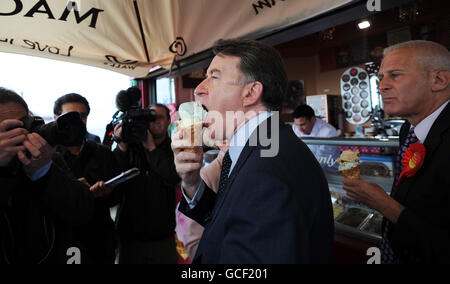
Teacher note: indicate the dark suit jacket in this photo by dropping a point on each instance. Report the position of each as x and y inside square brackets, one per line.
[95, 163]
[422, 233]
[274, 210]
[147, 202]
[29, 211]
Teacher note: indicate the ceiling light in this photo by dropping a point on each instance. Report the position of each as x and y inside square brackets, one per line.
[364, 25]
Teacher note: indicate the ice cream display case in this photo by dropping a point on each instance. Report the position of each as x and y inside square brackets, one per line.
[352, 219]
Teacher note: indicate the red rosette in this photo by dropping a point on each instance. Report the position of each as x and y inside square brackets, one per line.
[412, 160]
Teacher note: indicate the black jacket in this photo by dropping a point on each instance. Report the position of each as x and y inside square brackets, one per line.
[29, 211]
[95, 163]
[147, 202]
[422, 232]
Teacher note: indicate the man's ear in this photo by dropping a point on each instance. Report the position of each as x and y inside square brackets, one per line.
[440, 80]
[252, 93]
[56, 117]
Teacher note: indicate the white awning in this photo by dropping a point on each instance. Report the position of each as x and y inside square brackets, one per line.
[132, 36]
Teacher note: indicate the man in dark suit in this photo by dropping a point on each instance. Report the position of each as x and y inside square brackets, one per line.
[261, 214]
[415, 85]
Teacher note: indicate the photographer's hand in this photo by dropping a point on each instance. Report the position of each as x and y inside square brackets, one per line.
[101, 190]
[41, 154]
[149, 144]
[84, 181]
[11, 141]
[118, 133]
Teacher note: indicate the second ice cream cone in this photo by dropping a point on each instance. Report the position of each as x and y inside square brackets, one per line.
[349, 164]
[352, 173]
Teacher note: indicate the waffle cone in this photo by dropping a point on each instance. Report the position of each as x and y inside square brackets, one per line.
[194, 135]
[195, 150]
[352, 173]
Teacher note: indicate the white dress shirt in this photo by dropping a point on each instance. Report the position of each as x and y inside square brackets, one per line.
[320, 129]
[422, 128]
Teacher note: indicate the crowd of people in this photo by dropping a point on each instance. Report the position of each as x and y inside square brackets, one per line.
[54, 198]
[243, 207]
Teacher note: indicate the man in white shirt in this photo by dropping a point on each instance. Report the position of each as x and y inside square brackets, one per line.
[307, 125]
[415, 84]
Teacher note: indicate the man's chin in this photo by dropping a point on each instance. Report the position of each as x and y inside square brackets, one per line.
[393, 112]
[158, 136]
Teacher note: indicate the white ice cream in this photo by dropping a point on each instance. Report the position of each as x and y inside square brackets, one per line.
[191, 113]
[347, 166]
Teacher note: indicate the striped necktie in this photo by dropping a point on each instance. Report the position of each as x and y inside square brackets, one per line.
[387, 255]
[224, 173]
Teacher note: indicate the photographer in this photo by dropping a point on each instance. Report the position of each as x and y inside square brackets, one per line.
[146, 217]
[78, 103]
[90, 163]
[35, 194]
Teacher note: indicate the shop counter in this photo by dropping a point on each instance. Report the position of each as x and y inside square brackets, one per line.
[357, 227]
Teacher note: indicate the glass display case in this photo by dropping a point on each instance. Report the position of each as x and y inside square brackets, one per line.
[352, 219]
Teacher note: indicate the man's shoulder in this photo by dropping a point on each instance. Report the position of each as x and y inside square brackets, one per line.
[286, 144]
[93, 137]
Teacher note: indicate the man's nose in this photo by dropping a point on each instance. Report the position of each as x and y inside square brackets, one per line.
[202, 89]
[383, 85]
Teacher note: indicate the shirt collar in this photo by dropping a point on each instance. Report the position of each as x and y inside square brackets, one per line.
[242, 135]
[421, 130]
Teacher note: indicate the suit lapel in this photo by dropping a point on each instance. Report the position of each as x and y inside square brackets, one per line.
[432, 142]
[240, 163]
[220, 199]
[441, 124]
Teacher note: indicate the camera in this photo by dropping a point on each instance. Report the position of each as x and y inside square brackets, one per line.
[68, 130]
[134, 119]
[134, 124]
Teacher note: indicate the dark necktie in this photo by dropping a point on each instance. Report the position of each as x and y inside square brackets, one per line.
[224, 173]
[387, 255]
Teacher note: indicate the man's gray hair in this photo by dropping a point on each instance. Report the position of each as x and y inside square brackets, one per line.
[430, 55]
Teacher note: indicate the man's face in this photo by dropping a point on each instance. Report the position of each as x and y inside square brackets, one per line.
[159, 127]
[76, 107]
[220, 92]
[404, 84]
[304, 125]
[12, 111]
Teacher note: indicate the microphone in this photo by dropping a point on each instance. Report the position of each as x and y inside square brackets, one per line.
[128, 99]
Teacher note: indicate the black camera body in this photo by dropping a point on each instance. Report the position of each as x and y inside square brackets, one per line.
[68, 130]
[135, 124]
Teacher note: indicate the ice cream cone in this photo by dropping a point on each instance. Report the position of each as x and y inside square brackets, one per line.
[193, 134]
[349, 164]
[353, 172]
[192, 117]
